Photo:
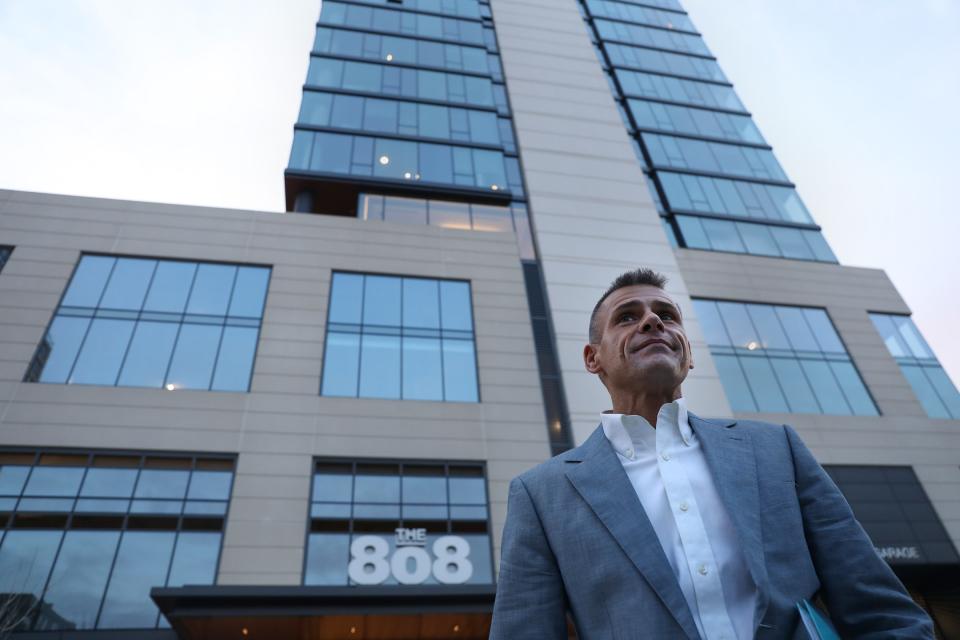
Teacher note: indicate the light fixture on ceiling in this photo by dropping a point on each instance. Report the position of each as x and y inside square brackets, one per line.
[384, 160]
[389, 57]
[170, 386]
[752, 345]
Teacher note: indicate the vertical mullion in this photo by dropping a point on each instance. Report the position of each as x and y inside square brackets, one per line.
[736, 357]
[93, 317]
[363, 301]
[116, 551]
[443, 382]
[176, 338]
[223, 330]
[136, 323]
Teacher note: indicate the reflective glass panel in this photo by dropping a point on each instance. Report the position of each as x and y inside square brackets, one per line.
[79, 578]
[396, 337]
[142, 563]
[138, 326]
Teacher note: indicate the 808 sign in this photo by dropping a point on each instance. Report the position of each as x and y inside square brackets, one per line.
[410, 563]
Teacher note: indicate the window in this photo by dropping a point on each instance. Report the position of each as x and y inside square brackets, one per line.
[390, 21]
[395, 81]
[780, 359]
[713, 157]
[85, 536]
[138, 322]
[452, 215]
[398, 160]
[663, 62]
[733, 197]
[426, 53]
[697, 122]
[359, 509]
[400, 118]
[400, 338]
[919, 365]
[756, 239]
[462, 8]
[4, 255]
[701, 94]
[638, 14]
[647, 37]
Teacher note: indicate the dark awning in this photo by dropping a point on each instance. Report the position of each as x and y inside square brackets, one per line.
[322, 613]
[892, 506]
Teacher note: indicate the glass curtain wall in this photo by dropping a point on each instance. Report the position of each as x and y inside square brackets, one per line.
[170, 324]
[375, 498]
[400, 338]
[931, 384]
[781, 359]
[406, 104]
[84, 536]
[714, 179]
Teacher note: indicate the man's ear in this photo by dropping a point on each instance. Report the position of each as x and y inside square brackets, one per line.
[590, 361]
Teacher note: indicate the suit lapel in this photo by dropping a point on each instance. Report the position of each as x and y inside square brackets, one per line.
[732, 461]
[600, 479]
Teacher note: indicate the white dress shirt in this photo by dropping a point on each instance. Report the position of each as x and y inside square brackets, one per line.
[667, 469]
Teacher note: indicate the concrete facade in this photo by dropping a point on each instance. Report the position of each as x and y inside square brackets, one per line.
[282, 423]
[593, 216]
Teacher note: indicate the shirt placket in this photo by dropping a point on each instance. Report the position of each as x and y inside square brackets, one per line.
[699, 556]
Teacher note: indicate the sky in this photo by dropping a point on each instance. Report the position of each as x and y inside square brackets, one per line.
[191, 102]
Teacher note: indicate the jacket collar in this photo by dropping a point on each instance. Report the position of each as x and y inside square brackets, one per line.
[596, 473]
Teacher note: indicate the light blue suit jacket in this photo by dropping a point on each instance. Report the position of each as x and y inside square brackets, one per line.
[577, 539]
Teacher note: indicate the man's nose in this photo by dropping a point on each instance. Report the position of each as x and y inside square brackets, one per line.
[650, 322]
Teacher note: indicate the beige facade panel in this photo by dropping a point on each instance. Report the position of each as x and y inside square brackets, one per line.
[593, 215]
[276, 428]
[902, 434]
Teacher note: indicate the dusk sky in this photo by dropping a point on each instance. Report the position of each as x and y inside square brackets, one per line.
[194, 103]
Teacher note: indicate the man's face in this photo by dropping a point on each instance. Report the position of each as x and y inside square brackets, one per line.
[643, 343]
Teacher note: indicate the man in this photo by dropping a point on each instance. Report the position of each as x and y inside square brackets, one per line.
[666, 525]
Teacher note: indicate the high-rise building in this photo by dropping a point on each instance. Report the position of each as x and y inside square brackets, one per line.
[225, 423]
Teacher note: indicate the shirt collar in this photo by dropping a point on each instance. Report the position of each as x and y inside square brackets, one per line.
[628, 432]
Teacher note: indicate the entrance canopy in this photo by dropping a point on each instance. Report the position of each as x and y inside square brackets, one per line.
[328, 613]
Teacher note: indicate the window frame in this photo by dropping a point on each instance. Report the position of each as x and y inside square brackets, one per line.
[400, 462]
[33, 376]
[9, 519]
[401, 277]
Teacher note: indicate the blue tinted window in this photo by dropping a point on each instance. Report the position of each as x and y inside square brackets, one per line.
[692, 92]
[88, 281]
[102, 352]
[25, 560]
[79, 578]
[60, 347]
[645, 36]
[149, 354]
[170, 287]
[128, 284]
[931, 384]
[714, 157]
[191, 366]
[774, 358]
[640, 14]
[98, 573]
[450, 495]
[138, 336]
[414, 340]
[141, 564]
[410, 83]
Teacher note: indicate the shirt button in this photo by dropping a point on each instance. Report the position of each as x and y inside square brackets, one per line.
[628, 453]
[684, 506]
[665, 455]
[702, 569]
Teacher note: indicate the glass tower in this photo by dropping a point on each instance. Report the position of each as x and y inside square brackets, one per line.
[405, 117]
[714, 178]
